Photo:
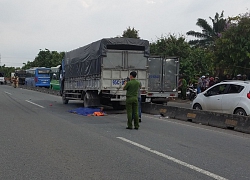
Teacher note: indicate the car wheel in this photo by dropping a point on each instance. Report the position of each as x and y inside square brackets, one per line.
[197, 106]
[240, 112]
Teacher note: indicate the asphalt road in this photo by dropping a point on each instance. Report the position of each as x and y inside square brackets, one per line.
[40, 139]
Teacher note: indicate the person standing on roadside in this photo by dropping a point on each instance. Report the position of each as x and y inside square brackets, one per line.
[216, 80]
[183, 87]
[244, 77]
[15, 81]
[132, 86]
[199, 85]
[211, 82]
[139, 104]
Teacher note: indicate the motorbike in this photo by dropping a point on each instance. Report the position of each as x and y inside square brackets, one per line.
[191, 93]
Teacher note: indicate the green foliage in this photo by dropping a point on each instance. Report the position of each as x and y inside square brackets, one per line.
[131, 33]
[209, 33]
[45, 58]
[193, 60]
[198, 63]
[233, 48]
[7, 70]
[170, 45]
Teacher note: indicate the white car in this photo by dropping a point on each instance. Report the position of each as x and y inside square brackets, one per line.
[2, 79]
[232, 97]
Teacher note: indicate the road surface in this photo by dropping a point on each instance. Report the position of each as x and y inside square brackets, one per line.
[40, 139]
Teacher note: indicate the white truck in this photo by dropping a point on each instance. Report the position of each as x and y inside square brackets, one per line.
[2, 79]
[162, 79]
[95, 73]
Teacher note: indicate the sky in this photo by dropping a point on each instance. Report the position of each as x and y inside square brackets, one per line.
[26, 26]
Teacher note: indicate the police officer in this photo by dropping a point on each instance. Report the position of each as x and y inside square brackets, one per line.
[132, 87]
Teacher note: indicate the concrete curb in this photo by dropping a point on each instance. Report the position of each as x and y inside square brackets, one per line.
[221, 120]
[43, 90]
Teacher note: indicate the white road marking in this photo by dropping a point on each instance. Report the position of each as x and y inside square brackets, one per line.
[34, 104]
[212, 175]
[7, 92]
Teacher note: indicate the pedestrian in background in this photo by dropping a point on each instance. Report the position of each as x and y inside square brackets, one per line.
[15, 81]
[199, 85]
[183, 87]
[244, 77]
[217, 80]
[204, 82]
[239, 77]
[211, 82]
[132, 86]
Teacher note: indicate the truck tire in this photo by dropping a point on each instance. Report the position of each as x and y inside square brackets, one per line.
[85, 101]
[65, 101]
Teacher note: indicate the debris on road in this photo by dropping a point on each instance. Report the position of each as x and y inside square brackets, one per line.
[88, 111]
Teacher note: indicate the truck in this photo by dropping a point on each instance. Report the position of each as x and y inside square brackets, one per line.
[95, 73]
[55, 78]
[2, 78]
[163, 76]
[21, 76]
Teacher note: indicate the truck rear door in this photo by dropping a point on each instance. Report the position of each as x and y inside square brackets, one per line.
[170, 74]
[118, 64]
[155, 74]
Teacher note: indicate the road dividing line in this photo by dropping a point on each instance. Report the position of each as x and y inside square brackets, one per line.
[34, 104]
[7, 92]
[207, 173]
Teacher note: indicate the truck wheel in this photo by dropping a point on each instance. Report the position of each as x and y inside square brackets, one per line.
[65, 101]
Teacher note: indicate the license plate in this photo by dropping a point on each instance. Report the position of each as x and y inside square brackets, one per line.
[117, 82]
[122, 97]
[148, 100]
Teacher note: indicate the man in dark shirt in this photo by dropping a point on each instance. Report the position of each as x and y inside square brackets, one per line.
[132, 88]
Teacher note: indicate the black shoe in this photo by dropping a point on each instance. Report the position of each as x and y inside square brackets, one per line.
[128, 128]
[136, 128]
[139, 120]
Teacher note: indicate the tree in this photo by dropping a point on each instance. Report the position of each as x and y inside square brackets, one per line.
[199, 62]
[7, 70]
[232, 49]
[170, 45]
[45, 58]
[193, 60]
[131, 33]
[209, 33]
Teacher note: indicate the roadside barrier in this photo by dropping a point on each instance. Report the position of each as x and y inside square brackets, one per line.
[41, 89]
[220, 120]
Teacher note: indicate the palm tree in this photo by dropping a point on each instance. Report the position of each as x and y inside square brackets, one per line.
[209, 33]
